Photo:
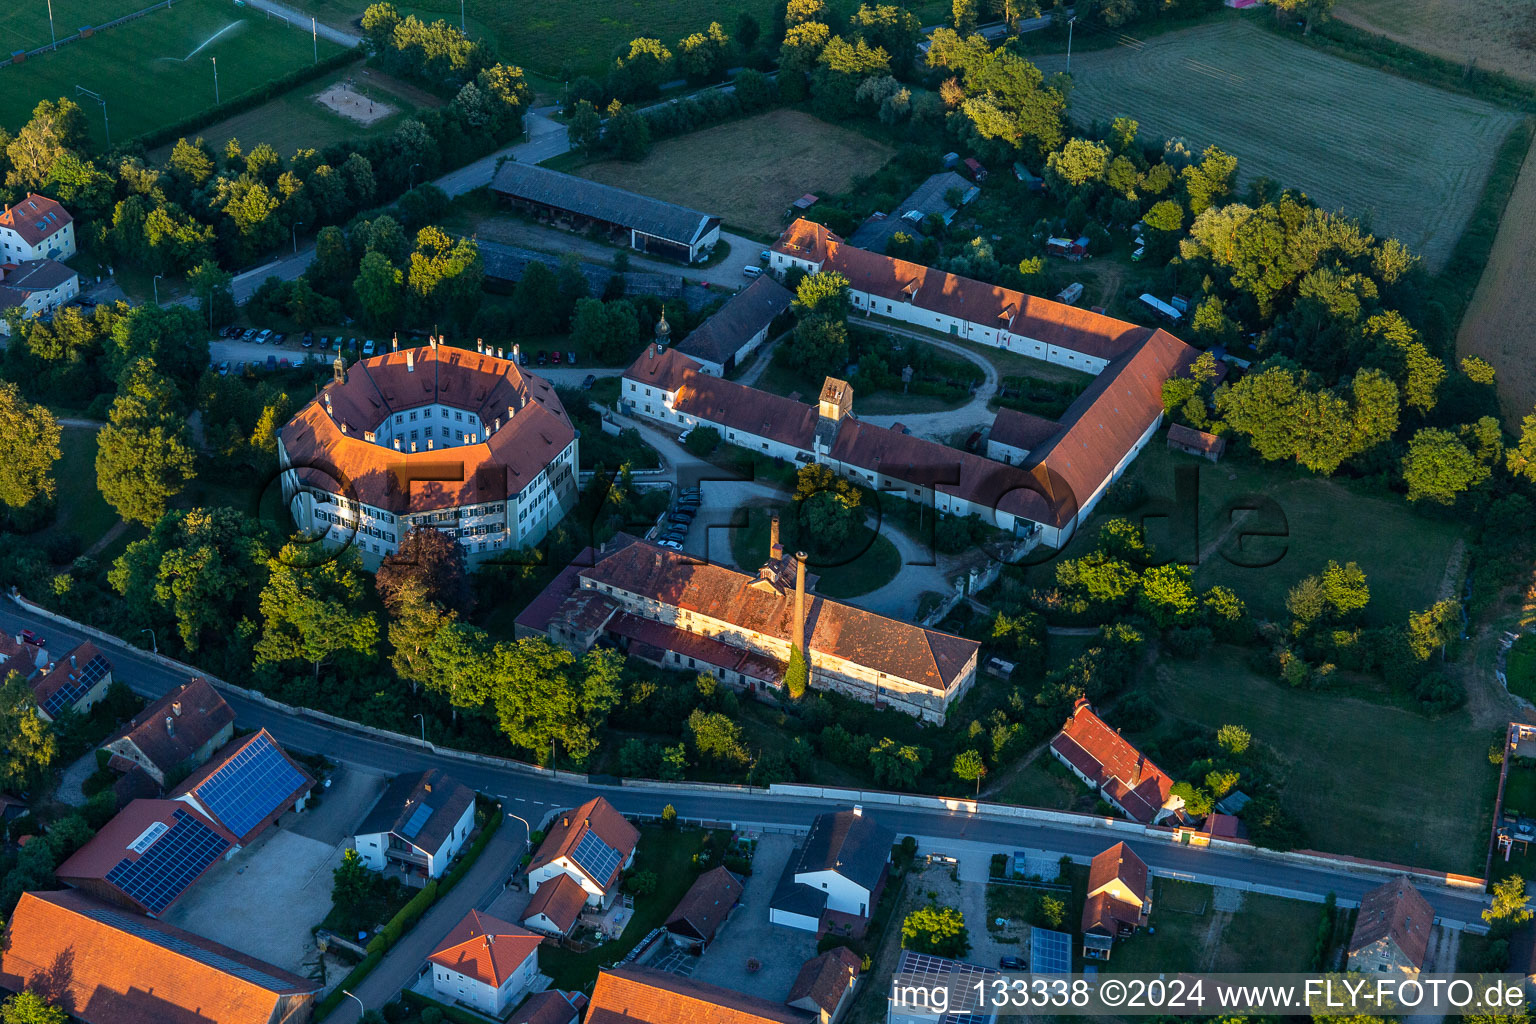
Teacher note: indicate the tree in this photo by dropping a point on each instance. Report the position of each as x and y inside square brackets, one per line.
[415, 624]
[963, 14]
[1234, 739]
[827, 507]
[29, 447]
[1310, 11]
[891, 28]
[210, 284]
[433, 559]
[1521, 459]
[535, 307]
[445, 276]
[380, 290]
[969, 767]
[542, 694]
[704, 56]
[351, 882]
[585, 126]
[55, 128]
[144, 454]
[27, 744]
[819, 346]
[30, 1008]
[309, 612]
[898, 765]
[1438, 467]
[629, 131]
[1002, 95]
[1510, 904]
[1209, 180]
[1079, 162]
[702, 440]
[717, 738]
[824, 293]
[1168, 595]
[936, 930]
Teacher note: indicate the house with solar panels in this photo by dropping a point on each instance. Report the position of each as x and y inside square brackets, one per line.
[247, 786]
[592, 845]
[174, 735]
[1050, 952]
[418, 825]
[74, 683]
[148, 855]
[920, 975]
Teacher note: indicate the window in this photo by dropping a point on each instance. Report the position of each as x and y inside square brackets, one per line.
[413, 418]
[459, 416]
[399, 418]
[413, 433]
[632, 386]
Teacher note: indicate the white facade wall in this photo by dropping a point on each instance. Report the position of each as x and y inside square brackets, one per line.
[596, 896]
[800, 921]
[39, 302]
[540, 923]
[482, 996]
[997, 336]
[843, 895]
[58, 246]
[650, 401]
[372, 847]
[1007, 454]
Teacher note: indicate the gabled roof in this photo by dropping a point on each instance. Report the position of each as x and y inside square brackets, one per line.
[196, 715]
[641, 995]
[73, 676]
[485, 948]
[1395, 910]
[849, 843]
[149, 854]
[706, 904]
[109, 966]
[16, 656]
[1022, 430]
[581, 836]
[1123, 773]
[748, 311]
[35, 275]
[551, 1006]
[421, 809]
[825, 979]
[248, 784]
[36, 218]
[560, 900]
[1119, 862]
[535, 184]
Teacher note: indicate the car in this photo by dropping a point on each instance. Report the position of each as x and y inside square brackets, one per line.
[239, 367]
[352, 344]
[675, 536]
[325, 342]
[522, 358]
[224, 368]
[669, 544]
[688, 504]
[543, 357]
[554, 358]
[765, 255]
[570, 358]
[271, 362]
[751, 271]
[681, 518]
[1012, 963]
[683, 437]
[972, 441]
[264, 337]
[250, 334]
[691, 490]
[29, 637]
[588, 381]
[368, 347]
[309, 339]
[283, 362]
[280, 339]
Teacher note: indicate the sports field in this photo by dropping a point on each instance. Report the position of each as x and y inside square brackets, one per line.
[1493, 35]
[1410, 157]
[24, 23]
[158, 69]
[748, 172]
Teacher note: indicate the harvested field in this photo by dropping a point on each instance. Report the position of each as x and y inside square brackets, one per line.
[1411, 158]
[1494, 35]
[748, 172]
[1497, 323]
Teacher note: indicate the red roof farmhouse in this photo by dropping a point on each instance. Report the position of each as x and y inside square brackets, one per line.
[1391, 930]
[1118, 900]
[1120, 773]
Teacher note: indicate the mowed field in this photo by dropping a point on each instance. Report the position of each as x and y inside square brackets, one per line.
[24, 23]
[1497, 323]
[1493, 35]
[158, 69]
[749, 171]
[1410, 157]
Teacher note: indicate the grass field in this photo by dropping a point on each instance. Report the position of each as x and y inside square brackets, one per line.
[1404, 554]
[1189, 933]
[82, 510]
[158, 69]
[749, 171]
[24, 24]
[1494, 35]
[1410, 157]
[1333, 751]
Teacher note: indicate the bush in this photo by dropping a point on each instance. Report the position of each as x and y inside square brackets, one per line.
[702, 441]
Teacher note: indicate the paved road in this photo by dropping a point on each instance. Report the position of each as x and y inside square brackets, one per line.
[940, 425]
[303, 20]
[532, 795]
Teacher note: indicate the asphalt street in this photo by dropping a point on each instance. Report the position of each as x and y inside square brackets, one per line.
[532, 795]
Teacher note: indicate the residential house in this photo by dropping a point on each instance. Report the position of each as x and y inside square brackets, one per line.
[834, 880]
[825, 984]
[104, 965]
[1118, 900]
[703, 909]
[552, 1006]
[418, 825]
[247, 786]
[485, 963]
[74, 683]
[726, 339]
[643, 995]
[556, 906]
[592, 845]
[175, 734]
[148, 855]
[37, 228]
[920, 976]
[1122, 775]
[36, 287]
[1391, 930]
[16, 655]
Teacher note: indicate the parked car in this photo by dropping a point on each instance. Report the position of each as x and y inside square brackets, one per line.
[586, 384]
[271, 362]
[972, 441]
[250, 333]
[224, 368]
[368, 347]
[543, 357]
[751, 271]
[283, 362]
[309, 339]
[352, 344]
[325, 342]
[670, 544]
[683, 437]
[29, 637]
[675, 536]
[522, 358]
[240, 367]
[264, 337]
[684, 519]
[554, 358]
[1012, 963]
[765, 255]
[570, 358]
[280, 339]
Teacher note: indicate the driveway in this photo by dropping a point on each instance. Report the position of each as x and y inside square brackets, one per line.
[748, 935]
[940, 425]
[340, 808]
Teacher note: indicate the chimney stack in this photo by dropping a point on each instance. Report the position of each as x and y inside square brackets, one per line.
[74, 662]
[798, 637]
[176, 708]
[775, 549]
[498, 353]
[858, 810]
[517, 351]
[480, 345]
[170, 726]
[410, 360]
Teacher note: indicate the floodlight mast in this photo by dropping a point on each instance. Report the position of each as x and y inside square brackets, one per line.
[81, 90]
[51, 33]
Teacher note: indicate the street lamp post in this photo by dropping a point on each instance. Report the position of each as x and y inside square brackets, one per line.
[410, 177]
[296, 225]
[154, 645]
[215, 80]
[423, 719]
[461, 17]
[156, 284]
[1070, 22]
[51, 33]
[360, 1007]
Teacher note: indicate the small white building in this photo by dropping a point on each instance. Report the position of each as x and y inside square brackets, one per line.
[418, 825]
[835, 879]
[485, 963]
[37, 228]
[36, 287]
[591, 845]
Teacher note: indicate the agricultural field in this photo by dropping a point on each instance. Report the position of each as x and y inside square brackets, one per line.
[1493, 35]
[1411, 158]
[749, 171]
[24, 26]
[158, 69]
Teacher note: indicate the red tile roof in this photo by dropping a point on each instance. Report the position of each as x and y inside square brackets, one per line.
[534, 430]
[825, 979]
[1189, 437]
[551, 1006]
[197, 714]
[603, 820]
[1022, 429]
[485, 948]
[109, 966]
[1396, 911]
[706, 905]
[36, 218]
[641, 995]
[1121, 771]
[723, 401]
[1102, 911]
[541, 611]
[117, 842]
[560, 900]
[16, 656]
[664, 638]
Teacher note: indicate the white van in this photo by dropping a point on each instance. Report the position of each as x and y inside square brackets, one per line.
[751, 271]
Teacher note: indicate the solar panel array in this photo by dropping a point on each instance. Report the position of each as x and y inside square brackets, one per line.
[67, 695]
[250, 786]
[418, 821]
[171, 864]
[596, 858]
[930, 973]
[1049, 952]
[134, 925]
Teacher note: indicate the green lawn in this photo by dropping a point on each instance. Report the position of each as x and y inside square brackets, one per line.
[1520, 788]
[158, 69]
[24, 24]
[1330, 749]
[1520, 667]
[1044, 783]
[877, 561]
[82, 510]
[1190, 934]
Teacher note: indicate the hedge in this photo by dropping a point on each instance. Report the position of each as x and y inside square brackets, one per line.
[452, 1013]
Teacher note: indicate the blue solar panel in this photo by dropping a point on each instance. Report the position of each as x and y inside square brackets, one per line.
[596, 858]
[1049, 952]
[250, 786]
[70, 693]
[418, 820]
[170, 864]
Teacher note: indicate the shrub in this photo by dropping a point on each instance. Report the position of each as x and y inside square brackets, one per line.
[702, 441]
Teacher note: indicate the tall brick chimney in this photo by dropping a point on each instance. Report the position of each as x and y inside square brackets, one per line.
[797, 638]
[775, 549]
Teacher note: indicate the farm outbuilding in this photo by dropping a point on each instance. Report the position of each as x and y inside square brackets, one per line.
[652, 226]
[1196, 442]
